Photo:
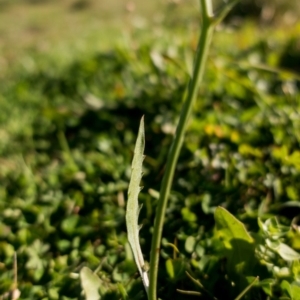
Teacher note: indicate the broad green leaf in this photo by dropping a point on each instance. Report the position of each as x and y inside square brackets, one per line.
[230, 228]
[292, 290]
[69, 224]
[90, 283]
[133, 208]
[190, 244]
[295, 290]
[287, 253]
[188, 215]
[239, 245]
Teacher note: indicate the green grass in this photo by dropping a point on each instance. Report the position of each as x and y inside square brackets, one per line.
[64, 29]
[71, 100]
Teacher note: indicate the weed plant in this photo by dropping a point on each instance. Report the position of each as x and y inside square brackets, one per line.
[66, 152]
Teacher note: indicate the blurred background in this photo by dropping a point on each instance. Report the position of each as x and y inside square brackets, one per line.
[75, 78]
[31, 27]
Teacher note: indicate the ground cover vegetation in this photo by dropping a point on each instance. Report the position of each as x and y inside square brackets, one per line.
[68, 126]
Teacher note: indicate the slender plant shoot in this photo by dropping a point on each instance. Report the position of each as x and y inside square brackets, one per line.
[209, 23]
[133, 208]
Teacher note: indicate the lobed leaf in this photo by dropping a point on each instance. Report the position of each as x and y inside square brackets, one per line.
[133, 208]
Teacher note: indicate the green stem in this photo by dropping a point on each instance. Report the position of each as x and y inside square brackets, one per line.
[200, 59]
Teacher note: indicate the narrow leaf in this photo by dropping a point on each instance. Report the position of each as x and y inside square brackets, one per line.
[133, 208]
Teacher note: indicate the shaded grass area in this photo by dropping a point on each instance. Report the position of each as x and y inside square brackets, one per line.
[67, 136]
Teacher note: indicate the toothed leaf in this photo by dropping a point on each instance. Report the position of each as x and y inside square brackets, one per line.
[133, 208]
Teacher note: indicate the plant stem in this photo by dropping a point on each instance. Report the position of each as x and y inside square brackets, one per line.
[199, 65]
